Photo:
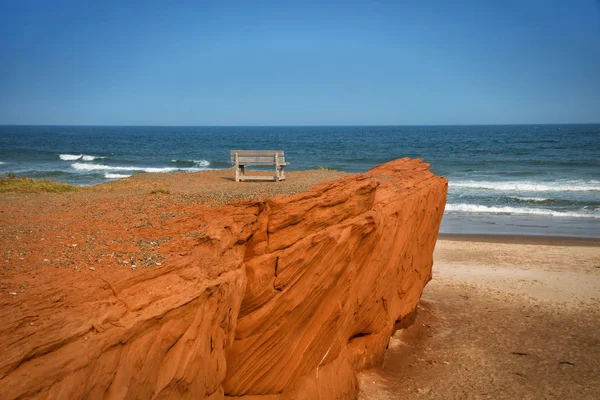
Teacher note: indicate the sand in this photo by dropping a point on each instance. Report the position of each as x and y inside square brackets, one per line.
[500, 319]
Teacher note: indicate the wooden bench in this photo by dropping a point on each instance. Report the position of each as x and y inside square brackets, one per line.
[246, 158]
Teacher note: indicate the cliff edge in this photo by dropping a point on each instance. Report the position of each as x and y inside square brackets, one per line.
[281, 298]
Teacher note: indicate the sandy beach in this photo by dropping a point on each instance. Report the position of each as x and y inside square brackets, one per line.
[503, 317]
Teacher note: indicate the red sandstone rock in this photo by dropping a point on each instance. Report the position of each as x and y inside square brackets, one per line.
[276, 299]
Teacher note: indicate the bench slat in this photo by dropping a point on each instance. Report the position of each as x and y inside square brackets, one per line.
[260, 159]
[260, 178]
[256, 152]
[260, 164]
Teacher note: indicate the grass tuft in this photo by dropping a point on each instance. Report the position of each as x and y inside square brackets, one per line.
[323, 168]
[160, 191]
[16, 184]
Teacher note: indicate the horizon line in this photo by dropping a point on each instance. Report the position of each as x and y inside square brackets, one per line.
[305, 125]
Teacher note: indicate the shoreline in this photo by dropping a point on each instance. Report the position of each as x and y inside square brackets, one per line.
[543, 240]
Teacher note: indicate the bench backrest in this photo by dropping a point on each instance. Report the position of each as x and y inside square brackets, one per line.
[258, 156]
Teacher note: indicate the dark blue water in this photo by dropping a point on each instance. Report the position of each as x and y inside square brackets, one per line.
[544, 172]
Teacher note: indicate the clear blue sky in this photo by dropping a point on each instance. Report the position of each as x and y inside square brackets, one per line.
[302, 63]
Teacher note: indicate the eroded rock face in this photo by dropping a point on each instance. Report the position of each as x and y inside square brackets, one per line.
[284, 298]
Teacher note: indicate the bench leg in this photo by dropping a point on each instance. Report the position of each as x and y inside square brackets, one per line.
[276, 167]
[237, 168]
[242, 172]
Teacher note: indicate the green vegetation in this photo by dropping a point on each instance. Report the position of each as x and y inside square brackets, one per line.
[323, 168]
[15, 184]
[160, 191]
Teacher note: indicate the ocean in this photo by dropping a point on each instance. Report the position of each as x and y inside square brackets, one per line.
[503, 179]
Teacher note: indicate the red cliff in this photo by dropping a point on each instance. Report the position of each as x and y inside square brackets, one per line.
[283, 298]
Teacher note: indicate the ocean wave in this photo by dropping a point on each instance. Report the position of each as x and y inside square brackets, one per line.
[481, 209]
[532, 199]
[520, 186]
[102, 167]
[584, 202]
[90, 158]
[196, 163]
[1, 162]
[70, 157]
[75, 157]
[108, 175]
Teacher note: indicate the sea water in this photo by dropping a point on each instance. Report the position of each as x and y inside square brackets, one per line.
[526, 179]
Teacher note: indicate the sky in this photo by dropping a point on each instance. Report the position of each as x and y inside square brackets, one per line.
[299, 63]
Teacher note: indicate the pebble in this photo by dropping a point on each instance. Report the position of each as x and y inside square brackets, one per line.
[46, 260]
[13, 293]
[92, 269]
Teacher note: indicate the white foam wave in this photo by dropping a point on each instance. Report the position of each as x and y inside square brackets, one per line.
[75, 157]
[197, 163]
[70, 157]
[480, 209]
[519, 186]
[1, 162]
[108, 175]
[102, 167]
[532, 199]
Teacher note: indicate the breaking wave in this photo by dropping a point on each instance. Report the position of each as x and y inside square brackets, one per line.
[520, 186]
[194, 163]
[532, 199]
[108, 175]
[480, 209]
[102, 167]
[75, 157]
